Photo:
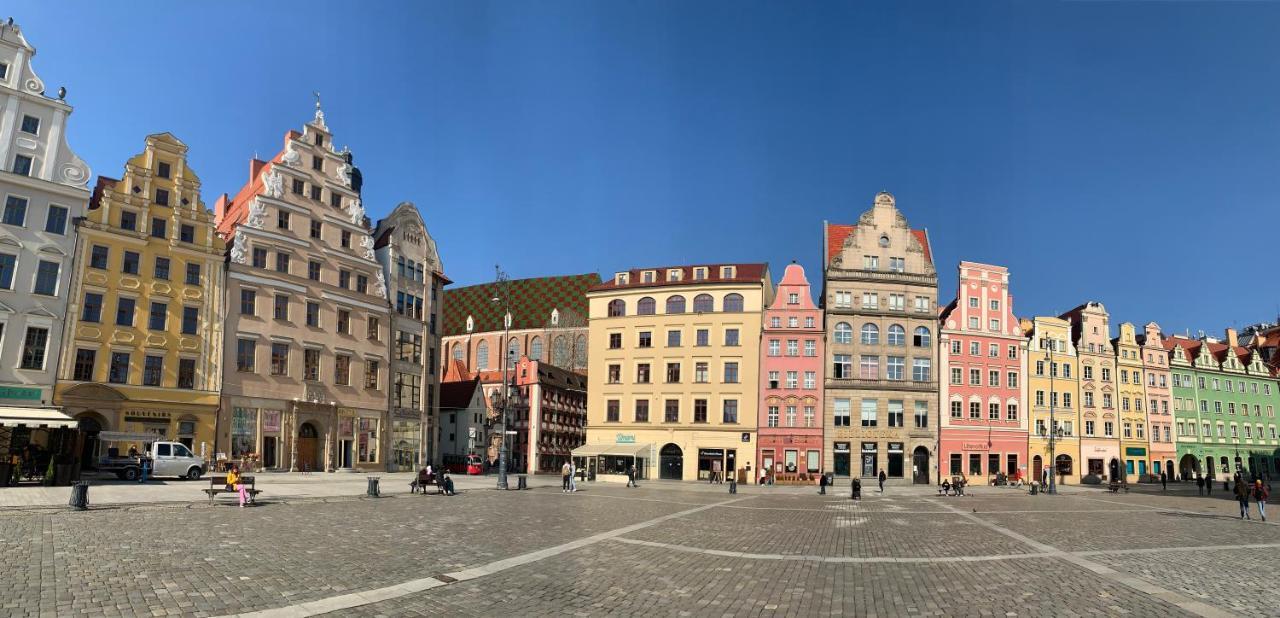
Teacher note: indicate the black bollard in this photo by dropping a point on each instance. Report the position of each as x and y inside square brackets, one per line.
[373, 487]
[80, 496]
[733, 485]
[521, 483]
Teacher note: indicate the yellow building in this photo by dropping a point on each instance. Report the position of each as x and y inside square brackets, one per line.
[1134, 441]
[673, 379]
[144, 317]
[1053, 390]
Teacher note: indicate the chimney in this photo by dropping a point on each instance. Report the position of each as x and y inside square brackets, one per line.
[255, 166]
[1233, 339]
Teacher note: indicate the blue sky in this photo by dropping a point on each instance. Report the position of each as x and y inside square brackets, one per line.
[1117, 151]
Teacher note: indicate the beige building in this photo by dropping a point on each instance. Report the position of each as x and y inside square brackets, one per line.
[674, 370]
[306, 359]
[880, 292]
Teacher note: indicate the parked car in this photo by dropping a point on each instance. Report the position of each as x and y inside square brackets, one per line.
[162, 458]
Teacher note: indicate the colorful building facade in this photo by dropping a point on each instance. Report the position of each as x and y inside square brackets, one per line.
[674, 359]
[1099, 405]
[1053, 388]
[1160, 420]
[791, 386]
[306, 385]
[1134, 441]
[1225, 400]
[983, 424]
[43, 190]
[147, 305]
[880, 297]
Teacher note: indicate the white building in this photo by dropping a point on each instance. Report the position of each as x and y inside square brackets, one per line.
[43, 189]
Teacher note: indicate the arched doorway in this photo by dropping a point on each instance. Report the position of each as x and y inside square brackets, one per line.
[1168, 465]
[90, 425]
[671, 463]
[1063, 466]
[1208, 465]
[1190, 466]
[920, 465]
[1037, 468]
[1114, 468]
[308, 447]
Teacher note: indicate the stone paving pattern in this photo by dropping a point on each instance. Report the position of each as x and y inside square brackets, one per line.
[206, 560]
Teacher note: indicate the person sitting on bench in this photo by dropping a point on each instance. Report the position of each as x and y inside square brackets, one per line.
[946, 487]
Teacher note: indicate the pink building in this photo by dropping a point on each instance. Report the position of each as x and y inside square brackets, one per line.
[791, 360]
[983, 428]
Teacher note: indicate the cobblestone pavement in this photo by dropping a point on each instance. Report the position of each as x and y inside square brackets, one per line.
[658, 550]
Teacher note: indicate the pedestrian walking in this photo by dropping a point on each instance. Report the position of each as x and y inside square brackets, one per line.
[822, 485]
[234, 482]
[631, 476]
[1260, 495]
[1164, 481]
[856, 487]
[882, 477]
[565, 471]
[1199, 484]
[1208, 485]
[573, 477]
[1242, 496]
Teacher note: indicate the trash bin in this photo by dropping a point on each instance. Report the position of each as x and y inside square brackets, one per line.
[80, 496]
[373, 487]
[1035, 488]
[521, 483]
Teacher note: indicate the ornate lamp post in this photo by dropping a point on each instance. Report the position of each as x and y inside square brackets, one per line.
[504, 285]
[1053, 425]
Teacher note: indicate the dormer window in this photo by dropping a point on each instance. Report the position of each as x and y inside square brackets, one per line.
[674, 274]
[620, 278]
[163, 170]
[699, 274]
[884, 240]
[319, 139]
[647, 276]
[726, 272]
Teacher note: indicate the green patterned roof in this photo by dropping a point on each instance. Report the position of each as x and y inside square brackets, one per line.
[532, 301]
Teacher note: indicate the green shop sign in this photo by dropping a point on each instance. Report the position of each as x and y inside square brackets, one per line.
[18, 392]
[625, 438]
[1137, 451]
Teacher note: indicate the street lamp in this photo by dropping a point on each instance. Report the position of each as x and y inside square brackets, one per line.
[503, 286]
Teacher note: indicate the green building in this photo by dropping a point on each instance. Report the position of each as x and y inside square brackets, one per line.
[1224, 401]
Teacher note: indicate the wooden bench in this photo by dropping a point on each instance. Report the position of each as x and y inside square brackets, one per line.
[218, 485]
[423, 481]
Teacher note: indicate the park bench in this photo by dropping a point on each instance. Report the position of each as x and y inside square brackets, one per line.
[218, 485]
[423, 481]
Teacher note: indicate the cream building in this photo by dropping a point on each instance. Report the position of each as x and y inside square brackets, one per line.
[1053, 388]
[673, 374]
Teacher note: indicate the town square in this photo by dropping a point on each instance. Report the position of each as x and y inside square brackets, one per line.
[689, 308]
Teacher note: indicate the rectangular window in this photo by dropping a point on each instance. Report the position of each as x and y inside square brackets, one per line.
[152, 370]
[642, 373]
[362, 284]
[372, 329]
[703, 337]
[645, 339]
[344, 321]
[371, 374]
[161, 268]
[700, 373]
[842, 366]
[671, 411]
[922, 415]
[1012, 379]
[187, 233]
[259, 258]
[700, 410]
[642, 411]
[615, 374]
[130, 262]
[118, 372]
[731, 336]
[162, 197]
[245, 354]
[47, 278]
[98, 257]
[15, 211]
[187, 373]
[793, 379]
[55, 221]
[957, 409]
[159, 228]
[317, 229]
[124, 311]
[344, 279]
[810, 379]
[975, 410]
[83, 371]
[673, 373]
[129, 220]
[34, 348]
[730, 411]
[159, 316]
[957, 375]
[345, 239]
[895, 413]
[193, 273]
[615, 341]
[92, 311]
[1011, 411]
[297, 187]
[282, 219]
[895, 367]
[282, 263]
[30, 124]
[190, 320]
[921, 369]
[673, 338]
[22, 165]
[868, 412]
[975, 377]
[313, 270]
[810, 347]
[311, 364]
[840, 413]
[993, 411]
[313, 314]
[611, 410]
[731, 373]
[248, 302]
[342, 369]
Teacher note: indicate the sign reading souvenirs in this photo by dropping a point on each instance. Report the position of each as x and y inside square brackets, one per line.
[625, 438]
[146, 416]
[18, 392]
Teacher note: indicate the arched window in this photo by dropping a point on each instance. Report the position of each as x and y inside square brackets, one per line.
[617, 308]
[675, 304]
[703, 303]
[457, 351]
[560, 352]
[870, 334]
[580, 351]
[646, 306]
[482, 356]
[897, 335]
[921, 337]
[844, 333]
[535, 348]
[733, 303]
[513, 352]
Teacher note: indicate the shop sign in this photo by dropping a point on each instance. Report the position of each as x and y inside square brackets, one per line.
[405, 413]
[746, 436]
[710, 452]
[625, 438]
[18, 392]
[346, 411]
[1135, 450]
[868, 447]
[842, 447]
[895, 447]
[270, 421]
[146, 416]
[973, 446]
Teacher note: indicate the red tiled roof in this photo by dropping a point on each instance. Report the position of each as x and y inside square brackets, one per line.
[743, 273]
[532, 301]
[838, 232]
[457, 395]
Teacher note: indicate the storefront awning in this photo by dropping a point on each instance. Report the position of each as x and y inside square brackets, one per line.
[35, 417]
[624, 450]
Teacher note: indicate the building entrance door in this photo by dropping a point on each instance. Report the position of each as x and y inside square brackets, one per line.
[920, 464]
[841, 464]
[869, 459]
[671, 463]
[1037, 468]
[344, 452]
[895, 460]
[269, 452]
[308, 448]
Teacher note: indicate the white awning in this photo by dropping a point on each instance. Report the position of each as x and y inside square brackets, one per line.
[625, 450]
[35, 417]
